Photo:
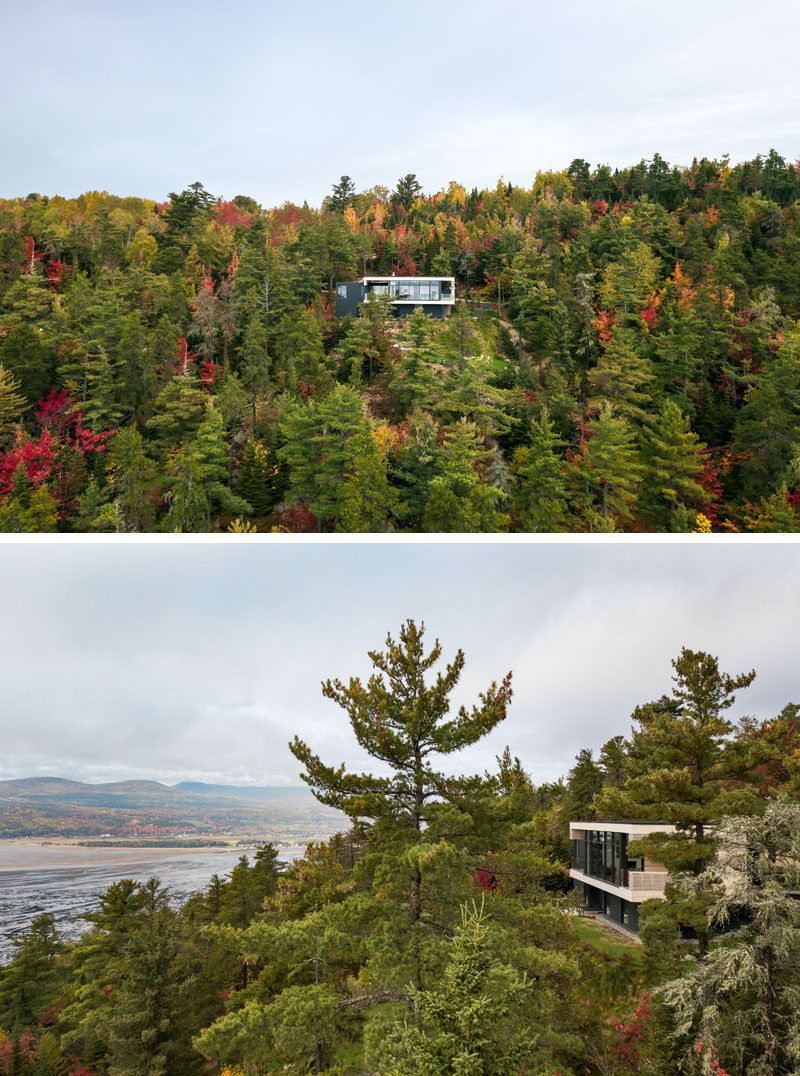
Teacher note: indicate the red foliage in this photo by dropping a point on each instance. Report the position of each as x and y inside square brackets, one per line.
[297, 519]
[600, 207]
[185, 356]
[649, 316]
[629, 1035]
[485, 879]
[603, 324]
[230, 215]
[306, 390]
[55, 458]
[55, 271]
[35, 456]
[208, 373]
[57, 412]
[27, 1051]
[714, 1067]
[711, 482]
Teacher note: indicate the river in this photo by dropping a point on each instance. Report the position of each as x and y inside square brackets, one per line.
[65, 881]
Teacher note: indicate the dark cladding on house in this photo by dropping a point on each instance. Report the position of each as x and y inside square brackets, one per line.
[611, 881]
[434, 295]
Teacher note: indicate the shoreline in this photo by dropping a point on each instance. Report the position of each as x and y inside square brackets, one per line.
[18, 853]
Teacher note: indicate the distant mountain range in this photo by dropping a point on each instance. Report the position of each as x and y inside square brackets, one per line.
[60, 787]
[57, 806]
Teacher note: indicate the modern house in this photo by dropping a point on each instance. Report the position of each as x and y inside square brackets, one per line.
[609, 880]
[434, 295]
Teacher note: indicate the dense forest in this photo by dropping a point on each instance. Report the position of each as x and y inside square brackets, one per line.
[438, 935]
[624, 355]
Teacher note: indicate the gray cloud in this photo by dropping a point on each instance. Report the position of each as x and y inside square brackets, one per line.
[202, 659]
[278, 101]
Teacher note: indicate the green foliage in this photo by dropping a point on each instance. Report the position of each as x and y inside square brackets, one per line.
[664, 296]
[741, 1004]
[680, 768]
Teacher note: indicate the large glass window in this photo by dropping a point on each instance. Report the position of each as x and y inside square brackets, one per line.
[435, 292]
[424, 293]
[341, 291]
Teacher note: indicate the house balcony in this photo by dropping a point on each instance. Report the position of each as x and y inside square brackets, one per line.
[632, 885]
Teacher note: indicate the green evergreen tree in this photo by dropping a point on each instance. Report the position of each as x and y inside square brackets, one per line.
[611, 467]
[459, 500]
[12, 404]
[209, 453]
[188, 507]
[622, 378]
[402, 721]
[475, 1022]
[539, 491]
[31, 982]
[318, 449]
[366, 496]
[740, 1006]
[258, 480]
[672, 465]
[134, 480]
[26, 509]
[342, 195]
[681, 771]
[145, 1028]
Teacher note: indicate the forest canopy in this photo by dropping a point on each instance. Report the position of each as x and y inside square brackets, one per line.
[623, 355]
[438, 935]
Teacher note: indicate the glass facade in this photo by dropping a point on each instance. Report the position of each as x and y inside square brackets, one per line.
[414, 291]
[604, 855]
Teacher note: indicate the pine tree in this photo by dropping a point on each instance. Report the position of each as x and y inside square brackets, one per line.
[611, 467]
[27, 509]
[144, 1029]
[540, 485]
[209, 453]
[407, 191]
[672, 464]
[458, 498]
[258, 478]
[179, 410]
[413, 379]
[188, 507]
[30, 983]
[402, 721]
[12, 404]
[366, 498]
[475, 1022]
[681, 771]
[584, 782]
[134, 480]
[622, 378]
[342, 195]
[318, 449]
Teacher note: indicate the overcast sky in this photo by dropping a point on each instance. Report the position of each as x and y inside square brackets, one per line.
[196, 660]
[278, 100]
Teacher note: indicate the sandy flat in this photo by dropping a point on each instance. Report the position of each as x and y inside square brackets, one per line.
[30, 855]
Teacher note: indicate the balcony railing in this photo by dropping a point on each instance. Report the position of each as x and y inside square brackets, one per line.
[648, 881]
